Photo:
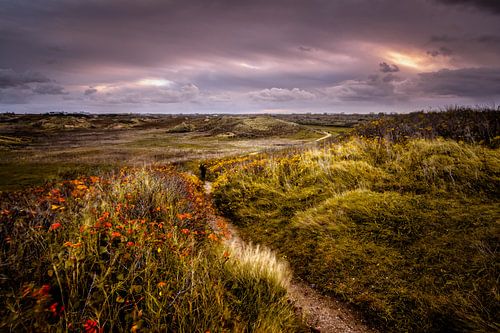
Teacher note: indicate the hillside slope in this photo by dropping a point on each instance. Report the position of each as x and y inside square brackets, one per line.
[407, 232]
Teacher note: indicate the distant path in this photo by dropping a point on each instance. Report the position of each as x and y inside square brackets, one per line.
[327, 135]
[322, 313]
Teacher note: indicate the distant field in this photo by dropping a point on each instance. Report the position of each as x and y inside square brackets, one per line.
[35, 148]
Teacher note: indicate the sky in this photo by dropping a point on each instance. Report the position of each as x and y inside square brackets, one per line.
[248, 56]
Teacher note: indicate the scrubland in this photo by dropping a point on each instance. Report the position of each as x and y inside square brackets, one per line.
[398, 217]
[406, 230]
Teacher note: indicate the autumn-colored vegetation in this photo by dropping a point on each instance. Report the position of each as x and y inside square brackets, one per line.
[398, 217]
[471, 125]
[131, 252]
[406, 230]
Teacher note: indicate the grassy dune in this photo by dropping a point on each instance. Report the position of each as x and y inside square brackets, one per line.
[407, 231]
[132, 252]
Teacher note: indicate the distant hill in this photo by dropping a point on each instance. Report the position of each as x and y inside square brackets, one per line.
[251, 127]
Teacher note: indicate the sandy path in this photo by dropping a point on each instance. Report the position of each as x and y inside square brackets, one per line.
[321, 313]
[327, 135]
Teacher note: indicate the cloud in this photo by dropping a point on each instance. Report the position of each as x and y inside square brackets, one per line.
[281, 95]
[10, 78]
[375, 88]
[132, 94]
[237, 49]
[492, 6]
[465, 82]
[442, 39]
[386, 68]
[442, 51]
[305, 49]
[49, 89]
[488, 39]
[15, 96]
[90, 91]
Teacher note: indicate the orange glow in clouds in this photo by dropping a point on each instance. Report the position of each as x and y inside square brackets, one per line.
[417, 61]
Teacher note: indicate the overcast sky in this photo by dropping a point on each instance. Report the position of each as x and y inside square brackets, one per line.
[248, 56]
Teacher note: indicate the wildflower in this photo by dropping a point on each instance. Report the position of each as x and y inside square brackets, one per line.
[130, 244]
[54, 311]
[161, 284]
[91, 326]
[212, 237]
[185, 231]
[115, 234]
[184, 216]
[104, 216]
[55, 226]
[94, 179]
[81, 187]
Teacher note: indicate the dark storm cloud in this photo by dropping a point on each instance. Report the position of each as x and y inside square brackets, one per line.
[489, 5]
[49, 89]
[386, 68]
[262, 50]
[10, 78]
[465, 82]
[151, 33]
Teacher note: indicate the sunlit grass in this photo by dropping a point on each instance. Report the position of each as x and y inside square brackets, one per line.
[408, 232]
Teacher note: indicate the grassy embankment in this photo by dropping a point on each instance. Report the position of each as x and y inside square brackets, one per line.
[408, 231]
[131, 252]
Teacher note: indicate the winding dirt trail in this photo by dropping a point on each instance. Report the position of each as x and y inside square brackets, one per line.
[327, 135]
[321, 313]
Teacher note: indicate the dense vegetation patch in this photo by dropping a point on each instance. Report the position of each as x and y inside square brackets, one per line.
[472, 125]
[132, 252]
[406, 231]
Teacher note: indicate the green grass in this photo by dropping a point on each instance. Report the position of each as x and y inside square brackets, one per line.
[406, 232]
[133, 252]
[20, 175]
